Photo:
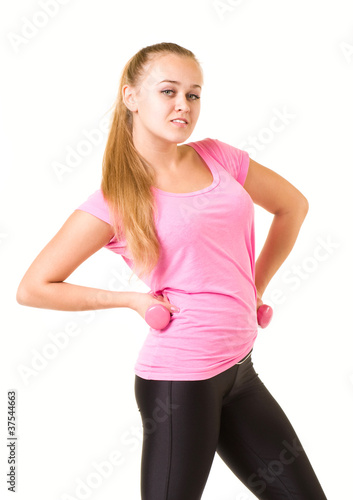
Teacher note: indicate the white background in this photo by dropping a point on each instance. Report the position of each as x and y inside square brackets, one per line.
[259, 59]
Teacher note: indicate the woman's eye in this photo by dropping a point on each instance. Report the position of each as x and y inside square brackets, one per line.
[195, 97]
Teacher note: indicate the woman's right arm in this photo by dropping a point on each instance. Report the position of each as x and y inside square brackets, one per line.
[43, 284]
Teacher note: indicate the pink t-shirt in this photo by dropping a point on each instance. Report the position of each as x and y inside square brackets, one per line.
[206, 268]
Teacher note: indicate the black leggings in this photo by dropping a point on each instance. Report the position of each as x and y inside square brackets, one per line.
[186, 422]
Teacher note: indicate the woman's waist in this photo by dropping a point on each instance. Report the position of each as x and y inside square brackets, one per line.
[196, 342]
[208, 303]
[198, 316]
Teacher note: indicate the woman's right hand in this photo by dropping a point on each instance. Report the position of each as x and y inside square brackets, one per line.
[142, 301]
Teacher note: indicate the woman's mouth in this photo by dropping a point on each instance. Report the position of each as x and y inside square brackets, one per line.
[179, 123]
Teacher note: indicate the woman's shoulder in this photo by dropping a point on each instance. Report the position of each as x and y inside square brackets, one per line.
[233, 159]
[97, 205]
[216, 146]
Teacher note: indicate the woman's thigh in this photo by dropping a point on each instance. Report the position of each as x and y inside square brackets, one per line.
[259, 444]
[181, 421]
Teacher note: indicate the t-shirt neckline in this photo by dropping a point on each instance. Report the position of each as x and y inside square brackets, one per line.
[211, 165]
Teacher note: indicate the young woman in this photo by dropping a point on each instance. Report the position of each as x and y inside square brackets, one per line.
[182, 218]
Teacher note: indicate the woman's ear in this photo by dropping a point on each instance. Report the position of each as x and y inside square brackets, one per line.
[129, 98]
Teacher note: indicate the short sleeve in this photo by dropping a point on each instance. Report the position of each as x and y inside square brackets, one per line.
[96, 205]
[234, 160]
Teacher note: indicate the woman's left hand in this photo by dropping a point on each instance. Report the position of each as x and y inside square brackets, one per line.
[259, 301]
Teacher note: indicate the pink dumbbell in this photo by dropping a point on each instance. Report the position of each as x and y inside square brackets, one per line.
[264, 315]
[157, 316]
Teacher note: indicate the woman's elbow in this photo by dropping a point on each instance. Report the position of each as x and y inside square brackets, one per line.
[27, 293]
[22, 295]
[304, 205]
[298, 206]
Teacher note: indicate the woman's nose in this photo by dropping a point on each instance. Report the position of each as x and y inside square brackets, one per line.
[182, 104]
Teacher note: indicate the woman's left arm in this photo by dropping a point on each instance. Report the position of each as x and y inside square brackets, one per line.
[289, 206]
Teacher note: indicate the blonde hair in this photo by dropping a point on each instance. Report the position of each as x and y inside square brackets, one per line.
[127, 177]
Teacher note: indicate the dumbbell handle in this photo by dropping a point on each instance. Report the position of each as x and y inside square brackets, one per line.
[158, 316]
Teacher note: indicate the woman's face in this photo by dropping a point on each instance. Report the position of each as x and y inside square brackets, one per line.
[156, 103]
